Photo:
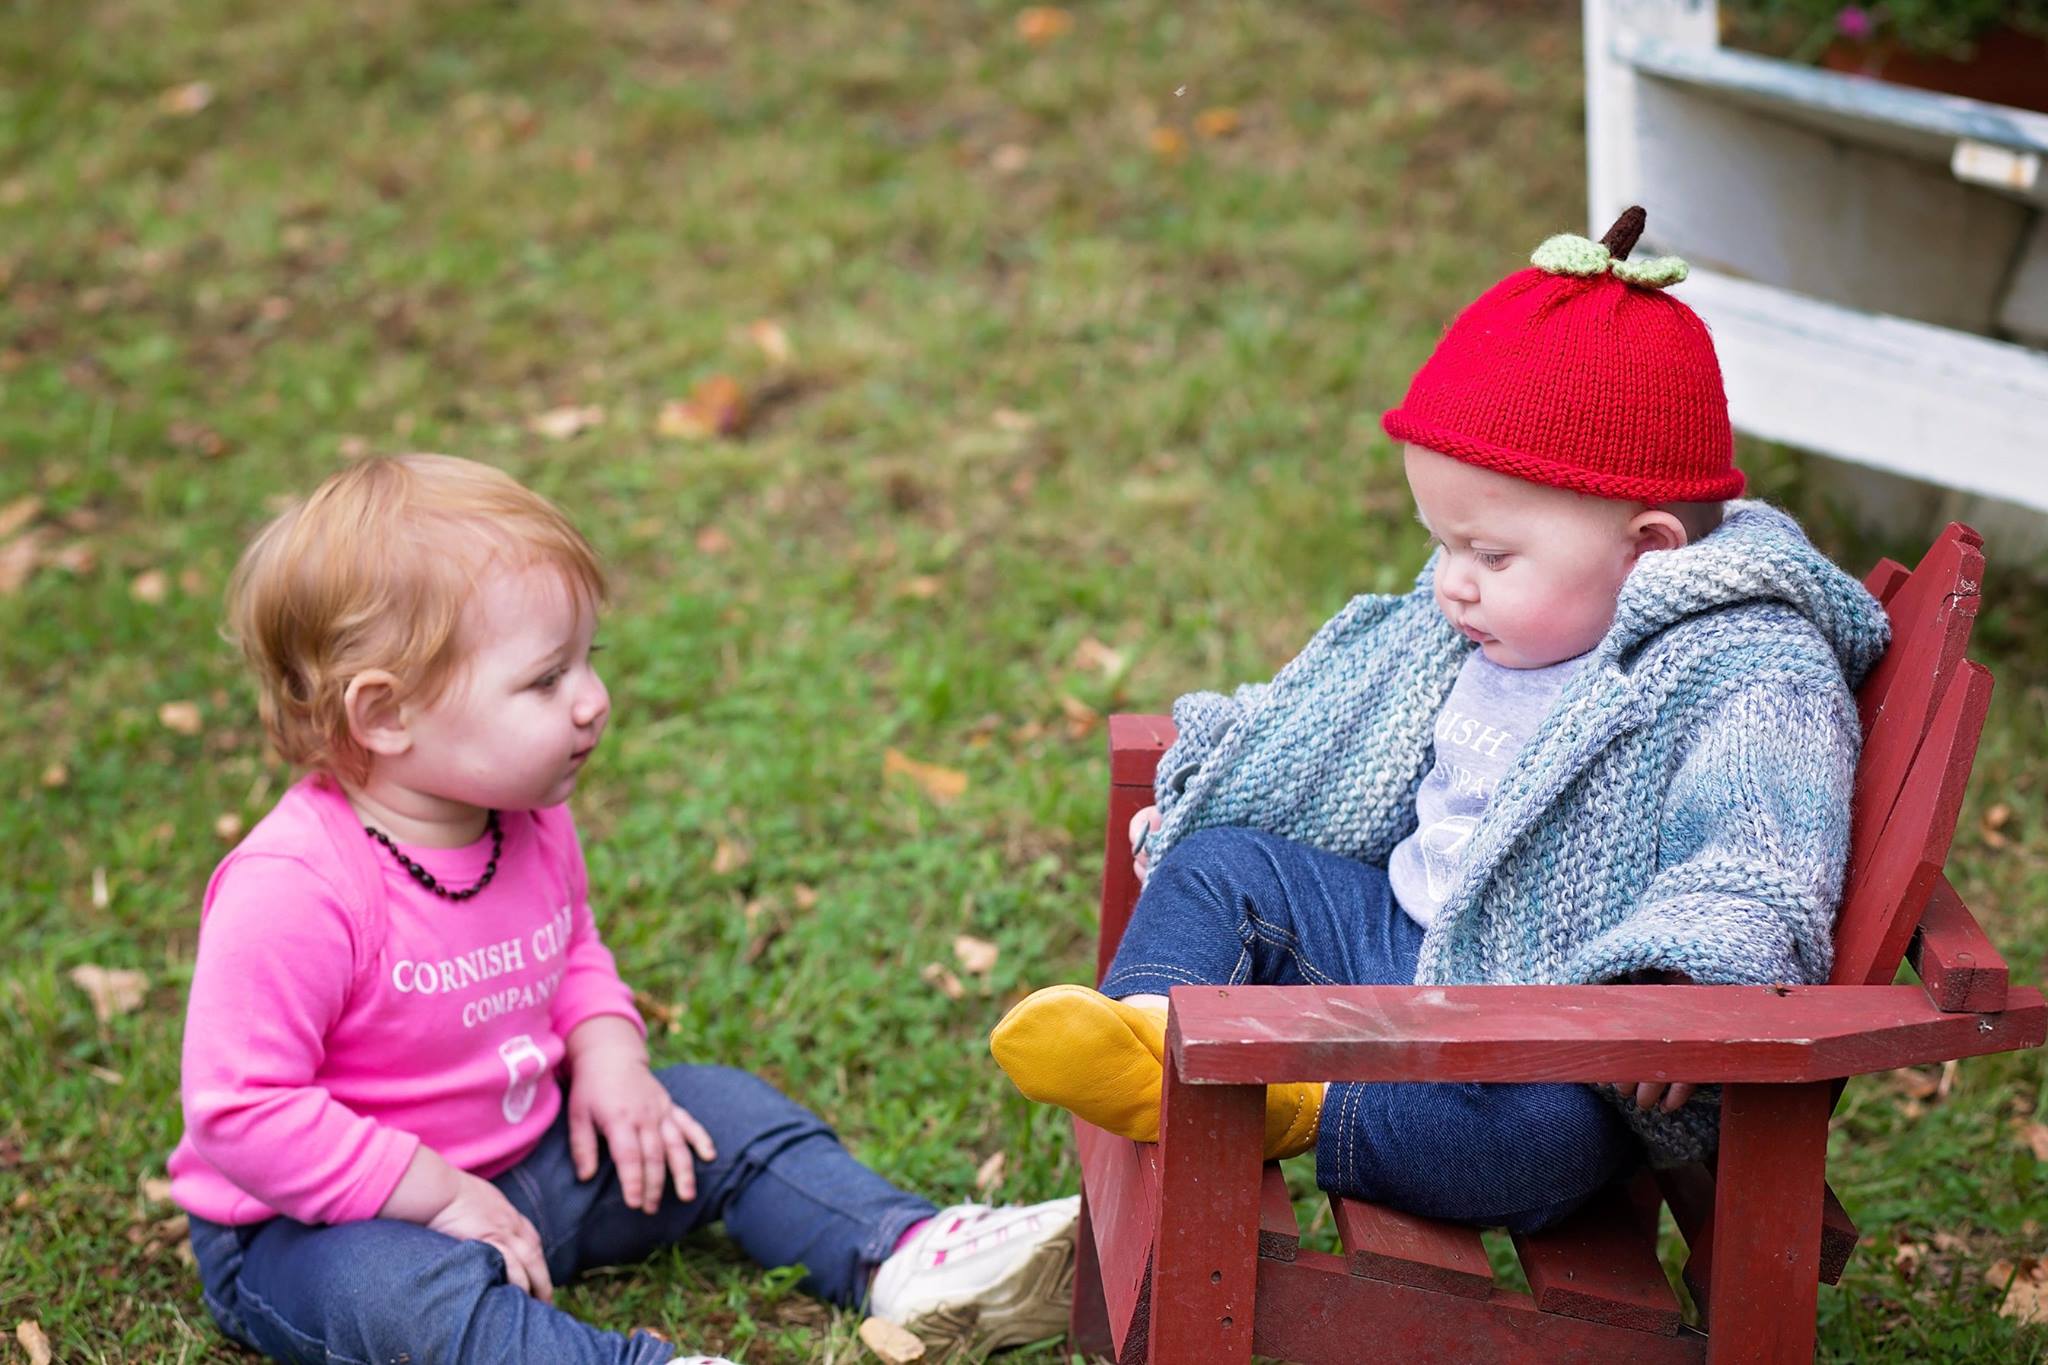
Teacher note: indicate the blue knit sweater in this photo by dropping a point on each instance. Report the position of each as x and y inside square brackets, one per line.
[1684, 807]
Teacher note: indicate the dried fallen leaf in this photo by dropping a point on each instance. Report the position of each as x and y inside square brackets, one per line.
[1015, 422]
[29, 1334]
[1081, 717]
[940, 784]
[1992, 827]
[18, 514]
[1916, 1083]
[114, 991]
[101, 896]
[105, 1075]
[151, 586]
[772, 341]
[924, 587]
[18, 560]
[563, 423]
[2035, 1135]
[976, 955]
[185, 100]
[2026, 1302]
[989, 1175]
[56, 775]
[1009, 158]
[804, 896]
[1042, 24]
[156, 1190]
[180, 717]
[1222, 121]
[716, 407]
[227, 826]
[1168, 144]
[78, 558]
[1097, 657]
[1950, 1243]
[197, 438]
[891, 1344]
[668, 1016]
[940, 976]
[1908, 1258]
[728, 857]
[713, 541]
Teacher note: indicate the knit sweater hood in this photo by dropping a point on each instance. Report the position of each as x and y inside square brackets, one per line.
[1682, 808]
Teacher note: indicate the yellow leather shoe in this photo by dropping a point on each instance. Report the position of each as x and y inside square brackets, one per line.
[1292, 1114]
[1095, 1057]
[1100, 1059]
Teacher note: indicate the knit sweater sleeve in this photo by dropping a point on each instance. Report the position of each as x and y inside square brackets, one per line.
[1201, 719]
[1752, 842]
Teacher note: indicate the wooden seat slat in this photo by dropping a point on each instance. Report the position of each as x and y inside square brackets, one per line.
[1279, 1229]
[1962, 971]
[1386, 1244]
[1599, 1264]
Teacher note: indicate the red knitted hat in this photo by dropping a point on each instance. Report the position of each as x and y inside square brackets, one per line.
[1581, 373]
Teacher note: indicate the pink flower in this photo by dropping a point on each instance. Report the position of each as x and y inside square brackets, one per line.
[1854, 22]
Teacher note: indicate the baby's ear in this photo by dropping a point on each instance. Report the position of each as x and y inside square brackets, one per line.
[1656, 529]
[375, 719]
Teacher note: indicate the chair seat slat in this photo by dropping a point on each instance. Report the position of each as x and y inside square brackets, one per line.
[1386, 1244]
[1600, 1263]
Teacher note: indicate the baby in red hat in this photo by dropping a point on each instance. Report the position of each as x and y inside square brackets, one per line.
[1610, 735]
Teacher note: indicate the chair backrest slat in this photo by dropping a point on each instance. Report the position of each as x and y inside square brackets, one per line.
[1931, 611]
[1953, 567]
[1887, 892]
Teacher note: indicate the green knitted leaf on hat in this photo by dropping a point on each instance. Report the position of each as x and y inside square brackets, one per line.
[1570, 254]
[1654, 273]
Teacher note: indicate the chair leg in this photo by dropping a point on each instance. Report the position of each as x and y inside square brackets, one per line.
[1769, 1179]
[1088, 1324]
[1205, 1260]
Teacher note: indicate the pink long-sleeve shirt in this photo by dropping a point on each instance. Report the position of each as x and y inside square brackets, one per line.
[341, 1014]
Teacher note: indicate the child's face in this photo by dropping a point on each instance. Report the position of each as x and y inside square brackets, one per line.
[516, 724]
[1529, 572]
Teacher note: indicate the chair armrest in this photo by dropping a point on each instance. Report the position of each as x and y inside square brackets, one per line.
[1242, 1035]
[1135, 745]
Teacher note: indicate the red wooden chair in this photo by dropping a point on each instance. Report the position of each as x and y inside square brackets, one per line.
[1189, 1248]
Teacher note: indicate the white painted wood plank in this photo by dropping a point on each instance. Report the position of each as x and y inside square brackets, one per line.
[1876, 109]
[1958, 410]
[1744, 191]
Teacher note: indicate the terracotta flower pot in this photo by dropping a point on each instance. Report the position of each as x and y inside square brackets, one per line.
[2009, 67]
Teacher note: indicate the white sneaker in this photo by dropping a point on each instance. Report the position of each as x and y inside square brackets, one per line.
[976, 1278]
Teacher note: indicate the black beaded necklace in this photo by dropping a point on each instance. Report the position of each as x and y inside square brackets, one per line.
[428, 880]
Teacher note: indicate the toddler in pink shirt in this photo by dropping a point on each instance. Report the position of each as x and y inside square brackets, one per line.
[417, 1093]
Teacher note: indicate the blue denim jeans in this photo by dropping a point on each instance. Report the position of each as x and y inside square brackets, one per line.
[381, 1290]
[1237, 906]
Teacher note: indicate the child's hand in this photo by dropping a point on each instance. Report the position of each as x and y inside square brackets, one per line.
[1670, 1096]
[480, 1212]
[1144, 822]
[611, 1091]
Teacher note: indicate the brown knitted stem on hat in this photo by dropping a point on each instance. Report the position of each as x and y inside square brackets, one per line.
[1621, 238]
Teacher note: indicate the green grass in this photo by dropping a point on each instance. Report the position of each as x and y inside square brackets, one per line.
[1087, 391]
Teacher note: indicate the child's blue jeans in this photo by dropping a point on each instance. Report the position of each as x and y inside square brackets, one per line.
[1237, 906]
[381, 1290]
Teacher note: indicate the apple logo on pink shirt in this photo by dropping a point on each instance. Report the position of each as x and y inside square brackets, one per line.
[525, 1064]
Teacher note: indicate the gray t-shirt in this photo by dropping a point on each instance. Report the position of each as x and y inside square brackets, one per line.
[1489, 715]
